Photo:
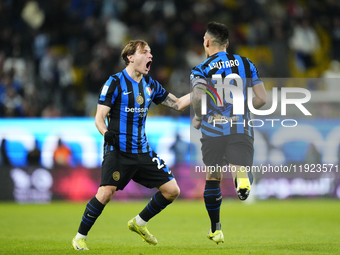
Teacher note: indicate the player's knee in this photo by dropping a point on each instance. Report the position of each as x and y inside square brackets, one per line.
[105, 193]
[105, 197]
[176, 192]
[172, 193]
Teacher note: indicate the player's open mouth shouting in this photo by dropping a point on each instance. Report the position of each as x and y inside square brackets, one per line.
[148, 65]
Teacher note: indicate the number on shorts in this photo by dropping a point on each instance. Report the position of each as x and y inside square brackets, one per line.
[159, 165]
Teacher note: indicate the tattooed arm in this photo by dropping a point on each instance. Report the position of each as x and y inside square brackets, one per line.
[178, 104]
[196, 104]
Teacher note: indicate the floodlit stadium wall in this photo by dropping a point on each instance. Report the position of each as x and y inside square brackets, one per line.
[314, 141]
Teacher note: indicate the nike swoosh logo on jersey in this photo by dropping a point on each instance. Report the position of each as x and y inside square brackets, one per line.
[126, 93]
[90, 216]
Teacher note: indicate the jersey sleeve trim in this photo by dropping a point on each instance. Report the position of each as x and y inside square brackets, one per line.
[256, 79]
[108, 92]
[159, 100]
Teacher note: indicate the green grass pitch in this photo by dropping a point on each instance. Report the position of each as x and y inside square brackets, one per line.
[264, 227]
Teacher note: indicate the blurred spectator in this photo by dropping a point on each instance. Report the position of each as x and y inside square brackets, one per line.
[116, 32]
[158, 43]
[294, 9]
[64, 66]
[12, 103]
[62, 156]
[33, 156]
[32, 14]
[112, 8]
[40, 46]
[17, 69]
[179, 80]
[258, 32]
[4, 160]
[336, 38]
[180, 149]
[82, 58]
[48, 71]
[304, 42]
[8, 81]
[279, 47]
[95, 79]
[195, 53]
[32, 105]
[313, 155]
[51, 111]
[332, 76]
[6, 182]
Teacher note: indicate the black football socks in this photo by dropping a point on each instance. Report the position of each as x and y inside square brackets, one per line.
[213, 200]
[156, 204]
[92, 211]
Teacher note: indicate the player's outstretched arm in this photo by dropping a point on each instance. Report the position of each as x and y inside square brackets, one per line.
[260, 98]
[178, 104]
[102, 111]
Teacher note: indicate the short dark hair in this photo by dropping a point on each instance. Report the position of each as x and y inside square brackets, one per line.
[219, 32]
[130, 49]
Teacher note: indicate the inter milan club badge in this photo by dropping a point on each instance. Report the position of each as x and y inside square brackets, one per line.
[116, 176]
[140, 99]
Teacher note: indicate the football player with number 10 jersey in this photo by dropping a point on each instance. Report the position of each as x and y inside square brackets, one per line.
[227, 139]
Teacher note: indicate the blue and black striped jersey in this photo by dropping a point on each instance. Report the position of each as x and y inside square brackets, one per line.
[225, 64]
[129, 102]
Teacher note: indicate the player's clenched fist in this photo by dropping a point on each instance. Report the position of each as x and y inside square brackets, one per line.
[110, 137]
[196, 123]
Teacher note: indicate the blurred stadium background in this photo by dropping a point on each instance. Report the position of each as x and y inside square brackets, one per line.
[55, 55]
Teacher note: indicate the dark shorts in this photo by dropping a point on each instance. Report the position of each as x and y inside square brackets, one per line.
[230, 149]
[146, 169]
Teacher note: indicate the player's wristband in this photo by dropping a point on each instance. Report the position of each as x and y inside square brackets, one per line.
[198, 118]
